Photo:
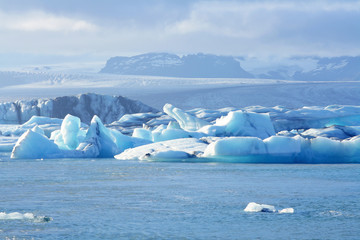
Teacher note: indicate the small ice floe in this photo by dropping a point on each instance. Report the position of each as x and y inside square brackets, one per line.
[255, 207]
[286, 210]
[25, 216]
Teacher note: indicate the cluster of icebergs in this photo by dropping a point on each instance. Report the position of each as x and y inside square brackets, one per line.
[256, 134]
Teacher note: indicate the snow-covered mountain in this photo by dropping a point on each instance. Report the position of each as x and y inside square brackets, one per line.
[211, 66]
[305, 68]
[171, 65]
[84, 106]
[332, 69]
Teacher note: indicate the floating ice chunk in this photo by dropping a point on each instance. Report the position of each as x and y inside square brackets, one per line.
[39, 120]
[124, 142]
[334, 132]
[184, 147]
[70, 134]
[213, 130]
[99, 140]
[326, 148]
[38, 129]
[281, 149]
[236, 146]
[173, 125]
[282, 145]
[143, 133]
[185, 120]
[172, 131]
[170, 134]
[166, 155]
[70, 129]
[47, 124]
[34, 145]
[106, 143]
[240, 123]
[135, 119]
[316, 117]
[255, 207]
[25, 216]
[286, 210]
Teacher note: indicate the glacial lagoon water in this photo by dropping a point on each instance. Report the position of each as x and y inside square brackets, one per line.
[113, 199]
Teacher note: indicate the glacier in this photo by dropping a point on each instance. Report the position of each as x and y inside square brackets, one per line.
[85, 106]
[250, 135]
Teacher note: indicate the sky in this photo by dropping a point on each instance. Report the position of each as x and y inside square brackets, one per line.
[87, 29]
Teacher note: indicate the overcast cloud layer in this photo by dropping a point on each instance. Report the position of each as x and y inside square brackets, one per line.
[242, 28]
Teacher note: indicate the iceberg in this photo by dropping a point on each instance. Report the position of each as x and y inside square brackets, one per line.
[99, 141]
[282, 145]
[240, 123]
[255, 207]
[183, 148]
[105, 142]
[47, 125]
[282, 149]
[25, 216]
[33, 145]
[185, 120]
[236, 146]
[70, 134]
[287, 210]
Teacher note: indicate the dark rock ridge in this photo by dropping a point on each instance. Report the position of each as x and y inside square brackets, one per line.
[170, 65]
[84, 106]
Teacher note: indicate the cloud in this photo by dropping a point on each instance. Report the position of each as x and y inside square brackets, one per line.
[274, 27]
[42, 21]
[255, 19]
[253, 28]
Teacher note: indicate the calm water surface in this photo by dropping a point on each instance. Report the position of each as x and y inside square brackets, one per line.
[112, 199]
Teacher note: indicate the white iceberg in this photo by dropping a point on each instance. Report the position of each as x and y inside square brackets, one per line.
[173, 149]
[47, 125]
[33, 145]
[255, 207]
[23, 216]
[235, 146]
[240, 123]
[282, 145]
[287, 210]
[185, 120]
[99, 142]
[281, 149]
